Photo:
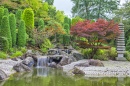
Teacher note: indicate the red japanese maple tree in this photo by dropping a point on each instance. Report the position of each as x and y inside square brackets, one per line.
[96, 33]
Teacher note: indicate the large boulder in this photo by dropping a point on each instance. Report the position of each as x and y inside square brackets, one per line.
[3, 75]
[20, 67]
[95, 62]
[85, 64]
[29, 61]
[64, 61]
[77, 55]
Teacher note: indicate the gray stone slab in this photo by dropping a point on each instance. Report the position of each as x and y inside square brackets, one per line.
[121, 59]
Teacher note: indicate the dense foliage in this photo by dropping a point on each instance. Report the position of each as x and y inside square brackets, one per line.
[96, 33]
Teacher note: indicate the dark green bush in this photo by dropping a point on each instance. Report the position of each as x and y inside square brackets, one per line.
[12, 21]
[4, 44]
[21, 42]
[5, 30]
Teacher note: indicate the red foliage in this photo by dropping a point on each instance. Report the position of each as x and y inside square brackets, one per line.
[101, 29]
[96, 33]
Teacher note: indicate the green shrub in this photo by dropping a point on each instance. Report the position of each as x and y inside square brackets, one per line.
[5, 30]
[21, 42]
[127, 55]
[28, 17]
[16, 54]
[128, 45]
[46, 45]
[4, 44]
[3, 55]
[101, 54]
[23, 49]
[12, 21]
[112, 53]
[40, 24]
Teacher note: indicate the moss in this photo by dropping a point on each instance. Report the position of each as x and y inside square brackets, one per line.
[3, 55]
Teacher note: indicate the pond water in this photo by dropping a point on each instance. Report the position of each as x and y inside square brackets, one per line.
[52, 77]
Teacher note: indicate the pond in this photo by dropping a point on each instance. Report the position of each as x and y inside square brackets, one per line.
[51, 77]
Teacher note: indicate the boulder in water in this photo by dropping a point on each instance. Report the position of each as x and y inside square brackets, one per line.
[52, 65]
[28, 61]
[64, 61]
[20, 67]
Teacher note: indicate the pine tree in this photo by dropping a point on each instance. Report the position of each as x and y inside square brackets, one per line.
[18, 17]
[21, 42]
[66, 37]
[12, 21]
[5, 30]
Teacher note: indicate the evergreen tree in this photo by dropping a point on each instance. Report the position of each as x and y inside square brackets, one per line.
[40, 24]
[21, 42]
[66, 37]
[6, 12]
[28, 17]
[5, 30]
[18, 16]
[1, 14]
[12, 21]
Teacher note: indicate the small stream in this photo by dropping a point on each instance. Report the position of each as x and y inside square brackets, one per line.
[45, 76]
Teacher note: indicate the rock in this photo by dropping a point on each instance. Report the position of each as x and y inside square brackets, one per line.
[29, 53]
[52, 65]
[78, 71]
[83, 64]
[95, 62]
[28, 61]
[59, 67]
[3, 75]
[14, 59]
[35, 60]
[20, 67]
[64, 61]
[77, 55]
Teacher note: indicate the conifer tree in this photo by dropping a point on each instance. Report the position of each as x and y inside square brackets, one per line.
[21, 42]
[1, 14]
[5, 30]
[12, 21]
[6, 12]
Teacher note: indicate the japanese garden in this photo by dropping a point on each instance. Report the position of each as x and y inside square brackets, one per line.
[42, 46]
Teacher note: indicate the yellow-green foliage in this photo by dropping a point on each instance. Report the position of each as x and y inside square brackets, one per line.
[23, 49]
[127, 55]
[28, 17]
[3, 55]
[112, 53]
[16, 54]
[46, 45]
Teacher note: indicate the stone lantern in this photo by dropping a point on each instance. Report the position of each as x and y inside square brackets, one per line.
[121, 44]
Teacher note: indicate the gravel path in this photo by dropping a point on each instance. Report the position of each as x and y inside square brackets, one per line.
[110, 69]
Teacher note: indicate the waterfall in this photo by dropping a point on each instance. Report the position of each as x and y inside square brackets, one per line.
[42, 61]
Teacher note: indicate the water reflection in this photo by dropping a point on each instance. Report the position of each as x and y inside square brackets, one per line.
[52, 77]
